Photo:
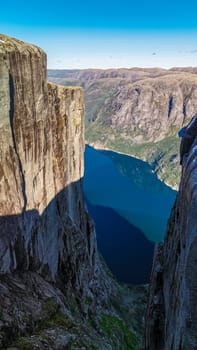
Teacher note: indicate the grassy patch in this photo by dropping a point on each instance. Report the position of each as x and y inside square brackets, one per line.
[54, 316]
[24, 343]
[88, 301]
[163, 155]
[116, 329]
[1, 315]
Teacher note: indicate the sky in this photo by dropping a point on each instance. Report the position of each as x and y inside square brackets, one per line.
[105, 33]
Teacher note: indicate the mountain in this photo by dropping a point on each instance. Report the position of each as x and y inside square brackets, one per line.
[171, 319]
[137, 111]
[55, 292]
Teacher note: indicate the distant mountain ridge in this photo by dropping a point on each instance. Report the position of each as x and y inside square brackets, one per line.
[125, 73]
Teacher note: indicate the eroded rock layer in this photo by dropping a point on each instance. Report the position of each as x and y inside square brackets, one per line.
[137, 105]
[171, 320]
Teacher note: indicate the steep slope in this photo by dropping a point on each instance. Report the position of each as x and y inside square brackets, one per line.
[54, 292]
[137, 111]
[171, 314]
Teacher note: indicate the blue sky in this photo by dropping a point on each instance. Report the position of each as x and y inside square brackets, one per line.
[105, 34]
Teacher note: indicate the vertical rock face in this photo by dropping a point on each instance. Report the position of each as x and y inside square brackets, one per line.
[171, 320]
[44, 226]
[54, 291]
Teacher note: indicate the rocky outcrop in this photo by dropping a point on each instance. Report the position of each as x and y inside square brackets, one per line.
[42, 208]
[189, 134]
[44, 226]
[149, 110]
[141, 105]
[171, 315]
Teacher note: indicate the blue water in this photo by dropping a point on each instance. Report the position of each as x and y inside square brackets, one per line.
[130, 207]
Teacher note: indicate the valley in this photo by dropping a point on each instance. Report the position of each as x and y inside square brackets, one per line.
[137, 111]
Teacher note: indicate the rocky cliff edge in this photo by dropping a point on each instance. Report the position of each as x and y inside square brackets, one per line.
[41, 167]
[44, 227]
[171, 320]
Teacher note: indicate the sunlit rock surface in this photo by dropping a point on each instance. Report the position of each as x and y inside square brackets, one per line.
[44, 225]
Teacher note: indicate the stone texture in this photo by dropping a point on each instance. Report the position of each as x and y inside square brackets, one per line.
[148, 110]
[44, 224]
[171, 320]
[137, 105]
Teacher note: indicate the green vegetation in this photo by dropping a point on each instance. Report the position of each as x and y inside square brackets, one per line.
[24, 343]
[115, 328]
[118, 328]
[54, 317]
[88, 301]
[161, 155]
[1, 315]
[136, 296]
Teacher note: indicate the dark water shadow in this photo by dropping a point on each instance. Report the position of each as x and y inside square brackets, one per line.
[128, 186]
[124, 247]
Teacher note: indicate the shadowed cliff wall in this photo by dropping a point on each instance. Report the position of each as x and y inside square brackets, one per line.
[171, 320]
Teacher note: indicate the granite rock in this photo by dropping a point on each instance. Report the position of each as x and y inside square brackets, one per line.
[44, 223]
[171, 314]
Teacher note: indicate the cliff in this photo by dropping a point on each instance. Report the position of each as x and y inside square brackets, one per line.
[171, 314]
[54, 291]
[137, 111]
[44, 224]
[41, 169]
